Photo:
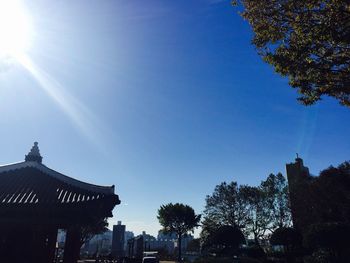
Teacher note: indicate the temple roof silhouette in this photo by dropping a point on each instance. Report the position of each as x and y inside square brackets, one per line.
[31, 182]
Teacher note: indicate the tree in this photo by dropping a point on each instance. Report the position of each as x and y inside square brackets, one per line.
[275, 189]
[307, 41]
[225, 206]
[257, 211]
[178, 218]
[327, 197]
[194, 245]
[290, 239]
[286, 236]
[89, 231]
[333, 237]
[229, 238]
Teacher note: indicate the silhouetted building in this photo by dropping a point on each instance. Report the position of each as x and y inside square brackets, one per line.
[135, 247]
[36, 201]
[299, 183]
[118, 240]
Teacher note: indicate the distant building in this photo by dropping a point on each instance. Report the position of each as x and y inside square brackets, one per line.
[135, 247]
[98, 245]
[128, 235]
[118, 239]
[166, 236]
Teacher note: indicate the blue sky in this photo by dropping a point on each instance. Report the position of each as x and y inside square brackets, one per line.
[165, 99]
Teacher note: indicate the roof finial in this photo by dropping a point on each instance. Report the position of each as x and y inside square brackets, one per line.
[297, 156]
[34, 154]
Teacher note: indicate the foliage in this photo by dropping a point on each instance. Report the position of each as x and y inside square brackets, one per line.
[332, 238]
[228, 237]
[254, 252]
[332, 192]
[321, 256]
[286, 236]
[308, 41]
[89, 231]
[326, 197]
[225, 207]
[275, 188]
[328, 235]
[194, 245]
[257, 211]
[178, 218]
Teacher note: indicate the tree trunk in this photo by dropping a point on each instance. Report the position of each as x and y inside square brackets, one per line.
[179, 247]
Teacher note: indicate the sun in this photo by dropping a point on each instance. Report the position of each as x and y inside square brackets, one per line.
[15, 28]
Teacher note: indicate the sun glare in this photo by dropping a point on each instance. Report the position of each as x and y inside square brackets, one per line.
[15, 28]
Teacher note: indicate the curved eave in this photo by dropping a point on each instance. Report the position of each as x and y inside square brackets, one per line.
[61, 177]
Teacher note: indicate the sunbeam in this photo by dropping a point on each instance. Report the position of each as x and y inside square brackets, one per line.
[78, 113]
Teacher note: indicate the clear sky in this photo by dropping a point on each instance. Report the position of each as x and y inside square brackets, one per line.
[164, 99]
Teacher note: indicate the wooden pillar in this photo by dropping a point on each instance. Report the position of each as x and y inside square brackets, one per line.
[51, 245]
[72, 245]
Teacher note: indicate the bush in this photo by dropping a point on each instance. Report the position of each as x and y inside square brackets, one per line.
[286, 236]
[328, 235]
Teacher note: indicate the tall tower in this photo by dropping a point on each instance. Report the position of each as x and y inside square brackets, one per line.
[299, 181]
[118, 240]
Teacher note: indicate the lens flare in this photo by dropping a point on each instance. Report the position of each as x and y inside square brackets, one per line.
[15, 28]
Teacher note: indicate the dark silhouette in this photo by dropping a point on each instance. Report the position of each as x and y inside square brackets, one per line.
[321, 209]
[307, 41]
[332, 238]
[36, 201]
[290, 239]
[178, 218]
[256, 210]
[226, 240]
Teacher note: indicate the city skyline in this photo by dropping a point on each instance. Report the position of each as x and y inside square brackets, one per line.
[164, 99]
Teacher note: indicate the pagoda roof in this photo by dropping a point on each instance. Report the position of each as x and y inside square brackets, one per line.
[59, 176]
[32, 183]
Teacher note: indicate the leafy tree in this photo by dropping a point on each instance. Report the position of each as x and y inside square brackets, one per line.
[308, 41]
[328, 235]
[290, 239]
[89, 231]
[257, 211]
[228, 237]
[327, 197]
[194, 245]
[225, 206]
[275, 188]
[286, 236]
[178, 218]
[333, 237]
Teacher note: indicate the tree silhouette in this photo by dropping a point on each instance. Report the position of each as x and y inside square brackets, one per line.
[308, 41]
[178, 218]
[228, 237]
[256, 210]
[290, 239]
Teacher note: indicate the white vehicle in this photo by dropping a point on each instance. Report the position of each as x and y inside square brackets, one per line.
[150, 257]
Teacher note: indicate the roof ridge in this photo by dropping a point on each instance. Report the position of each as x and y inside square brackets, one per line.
[59, 176]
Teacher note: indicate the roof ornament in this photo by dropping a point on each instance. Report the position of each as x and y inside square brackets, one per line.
[34, 154]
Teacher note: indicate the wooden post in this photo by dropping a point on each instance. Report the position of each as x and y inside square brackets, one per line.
[72, 245]
[51, 244]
